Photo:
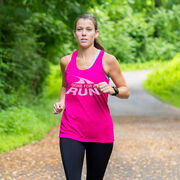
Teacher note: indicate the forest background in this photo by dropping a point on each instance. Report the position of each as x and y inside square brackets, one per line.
[34, 35]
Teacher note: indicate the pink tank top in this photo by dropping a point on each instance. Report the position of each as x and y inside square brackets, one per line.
[86, 116]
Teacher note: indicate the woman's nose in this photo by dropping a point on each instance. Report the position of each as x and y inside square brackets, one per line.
[84, 32]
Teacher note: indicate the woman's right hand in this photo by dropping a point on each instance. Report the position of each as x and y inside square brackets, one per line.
[58, 107]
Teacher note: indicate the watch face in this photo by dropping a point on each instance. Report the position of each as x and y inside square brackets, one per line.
[116, 90]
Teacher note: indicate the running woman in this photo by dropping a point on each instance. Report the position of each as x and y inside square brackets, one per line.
[86, 123]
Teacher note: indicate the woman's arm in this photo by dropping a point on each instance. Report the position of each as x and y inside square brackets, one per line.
[114, 72]
[59, 106]
[63, 64]
[117, 77]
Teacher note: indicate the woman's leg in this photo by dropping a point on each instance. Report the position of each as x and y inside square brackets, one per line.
[72, 154]
[97, 157]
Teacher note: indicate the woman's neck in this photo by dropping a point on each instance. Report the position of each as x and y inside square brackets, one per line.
[85, 53]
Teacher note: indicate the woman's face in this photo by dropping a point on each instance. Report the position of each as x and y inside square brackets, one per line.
[85, 32]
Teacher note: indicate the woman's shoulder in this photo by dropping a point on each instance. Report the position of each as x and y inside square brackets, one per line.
[109, 58]
[64, 61]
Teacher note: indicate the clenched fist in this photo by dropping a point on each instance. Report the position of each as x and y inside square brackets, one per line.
[58, 107]
[104, 87]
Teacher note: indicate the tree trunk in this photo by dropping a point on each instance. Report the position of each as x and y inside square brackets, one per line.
[157, 3]
[35, 82]
[1, 2]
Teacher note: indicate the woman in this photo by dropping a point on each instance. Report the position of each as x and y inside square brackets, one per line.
[86, 121]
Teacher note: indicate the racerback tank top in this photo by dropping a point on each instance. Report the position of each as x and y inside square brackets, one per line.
[86, 116]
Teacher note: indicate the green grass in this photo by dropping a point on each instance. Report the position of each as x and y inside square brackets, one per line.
[164, 82]
[22, 125]
[30, 121]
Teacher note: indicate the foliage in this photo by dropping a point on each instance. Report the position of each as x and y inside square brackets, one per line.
[53, 82]
[32, 118]
[25, 124]
[164, 82]
[135, 30]
[159, 48]
[37, 33]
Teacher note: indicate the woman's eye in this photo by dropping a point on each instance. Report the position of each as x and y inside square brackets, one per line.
[82, 29]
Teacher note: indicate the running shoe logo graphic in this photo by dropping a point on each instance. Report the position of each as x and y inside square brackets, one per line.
[83, 81]
[83, 87]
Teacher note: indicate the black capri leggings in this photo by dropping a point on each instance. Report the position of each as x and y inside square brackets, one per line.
[97, 157]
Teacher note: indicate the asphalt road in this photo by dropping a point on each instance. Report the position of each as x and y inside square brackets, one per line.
[140, 102]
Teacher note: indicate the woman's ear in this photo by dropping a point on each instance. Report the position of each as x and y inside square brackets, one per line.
[97, 33]
[74, 33]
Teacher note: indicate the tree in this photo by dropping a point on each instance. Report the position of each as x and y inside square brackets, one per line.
[157, 3]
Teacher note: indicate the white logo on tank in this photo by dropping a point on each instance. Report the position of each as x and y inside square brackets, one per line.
[83, 81]
[83, 87]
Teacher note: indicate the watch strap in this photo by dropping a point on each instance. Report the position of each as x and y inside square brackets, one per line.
[116, 91]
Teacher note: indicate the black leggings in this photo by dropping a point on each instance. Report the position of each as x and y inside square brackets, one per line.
[97, 157]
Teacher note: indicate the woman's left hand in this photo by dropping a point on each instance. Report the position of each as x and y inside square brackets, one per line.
[104, 87]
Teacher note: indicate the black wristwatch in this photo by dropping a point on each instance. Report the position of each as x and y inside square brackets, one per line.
[116, 91]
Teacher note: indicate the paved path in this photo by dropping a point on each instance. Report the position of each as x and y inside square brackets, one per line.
[146, 147]
[147, 135]
[140, 102]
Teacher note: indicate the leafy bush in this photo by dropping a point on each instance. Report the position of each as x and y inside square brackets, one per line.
[126, 38]
[25, 124]
[36, 33]
[158, 48]
[17, 120]
[31, 119]
[139, 34]
[53, 82]
[164, 82]
[167, 23]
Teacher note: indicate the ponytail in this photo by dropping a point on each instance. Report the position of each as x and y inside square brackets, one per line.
[98, 45]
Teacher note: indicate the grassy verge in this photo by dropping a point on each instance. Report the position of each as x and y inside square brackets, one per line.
[23, 125]
[164, 82]
[30, 121]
